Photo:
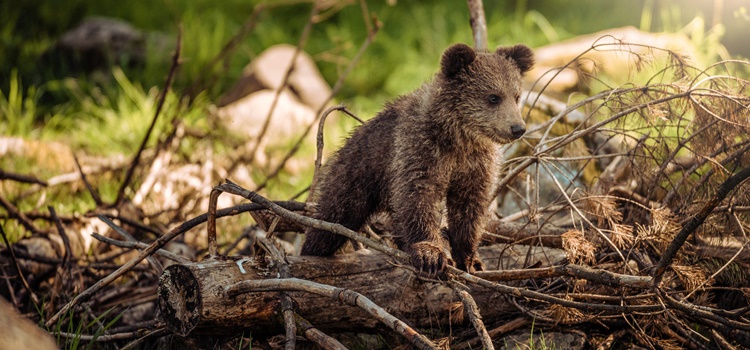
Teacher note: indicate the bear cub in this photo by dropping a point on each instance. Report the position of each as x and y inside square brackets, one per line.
[435, 147]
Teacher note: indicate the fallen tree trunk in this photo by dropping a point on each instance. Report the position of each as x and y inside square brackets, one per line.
[193, 298]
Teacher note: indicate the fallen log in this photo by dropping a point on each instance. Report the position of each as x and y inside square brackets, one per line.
[194, 298]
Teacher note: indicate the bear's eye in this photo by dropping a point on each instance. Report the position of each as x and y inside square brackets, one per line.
[493, 99]
[518, 98]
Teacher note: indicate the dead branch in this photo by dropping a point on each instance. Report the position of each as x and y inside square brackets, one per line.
[696, 221]
[231, 187]
[316, 336]
[599, 276]
[128, 237]
[94, 194]
[471, 308]
[4, 175]
[18, 215]
[211, 223]
[346, 296]
[319, 151]
[139, 245]
[287, 306]
[159, 106]
[33, 296]
[159, 243]
[339, 229]
[61, 230]
[420, 303]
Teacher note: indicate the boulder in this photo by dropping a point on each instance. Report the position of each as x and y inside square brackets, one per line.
[267, 71]
[246, 116]
[611, 59]
[97, 43]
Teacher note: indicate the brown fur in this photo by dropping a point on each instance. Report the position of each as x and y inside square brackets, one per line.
[435, 145]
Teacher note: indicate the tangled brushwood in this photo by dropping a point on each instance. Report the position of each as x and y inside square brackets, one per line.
[621, 217]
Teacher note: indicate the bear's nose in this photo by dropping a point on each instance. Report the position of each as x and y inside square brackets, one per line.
[517, 131]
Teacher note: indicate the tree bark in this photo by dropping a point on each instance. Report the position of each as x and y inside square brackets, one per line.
[193, 298]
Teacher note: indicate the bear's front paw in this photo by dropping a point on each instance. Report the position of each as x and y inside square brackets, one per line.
[429, 257]
[470, 264]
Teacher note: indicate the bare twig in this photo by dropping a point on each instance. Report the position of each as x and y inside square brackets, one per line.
[153, 247]
[721, 342]
[319, 154]
[471, 308]
[681, 237]
[106, 337]
[32, 295]
[548, 298]
[231, 187]
[139, 245]
[66, 241]
[316, 336]
[599, 276]
[4, 175]
[128, 237]
[346, 296]
[738, 330]
[12, 293]
[94, 193]
[494, 333]
[211, 224]
[126, 221]
[159, 106]
[15, 213]
[287, 306]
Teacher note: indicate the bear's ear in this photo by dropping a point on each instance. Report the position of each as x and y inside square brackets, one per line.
[456, 58]
[521, 55]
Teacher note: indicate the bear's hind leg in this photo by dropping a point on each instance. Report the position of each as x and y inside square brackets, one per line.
[342, 205]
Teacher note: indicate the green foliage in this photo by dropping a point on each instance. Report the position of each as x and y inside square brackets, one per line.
[18, 109]
[77, 328]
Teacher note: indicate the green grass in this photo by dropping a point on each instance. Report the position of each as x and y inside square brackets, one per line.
[79, 327]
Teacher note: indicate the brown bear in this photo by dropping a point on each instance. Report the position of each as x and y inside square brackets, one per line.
[435, 146]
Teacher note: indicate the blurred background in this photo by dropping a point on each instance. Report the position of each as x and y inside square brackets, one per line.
[81, 82]
[100, 101]
[405, 53]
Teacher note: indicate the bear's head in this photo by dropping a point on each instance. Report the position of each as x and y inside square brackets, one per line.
[484, 88]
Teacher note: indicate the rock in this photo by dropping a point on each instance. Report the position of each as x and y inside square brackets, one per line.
[247, 116]
[97, 43]
[267, 71]
[611, 59]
